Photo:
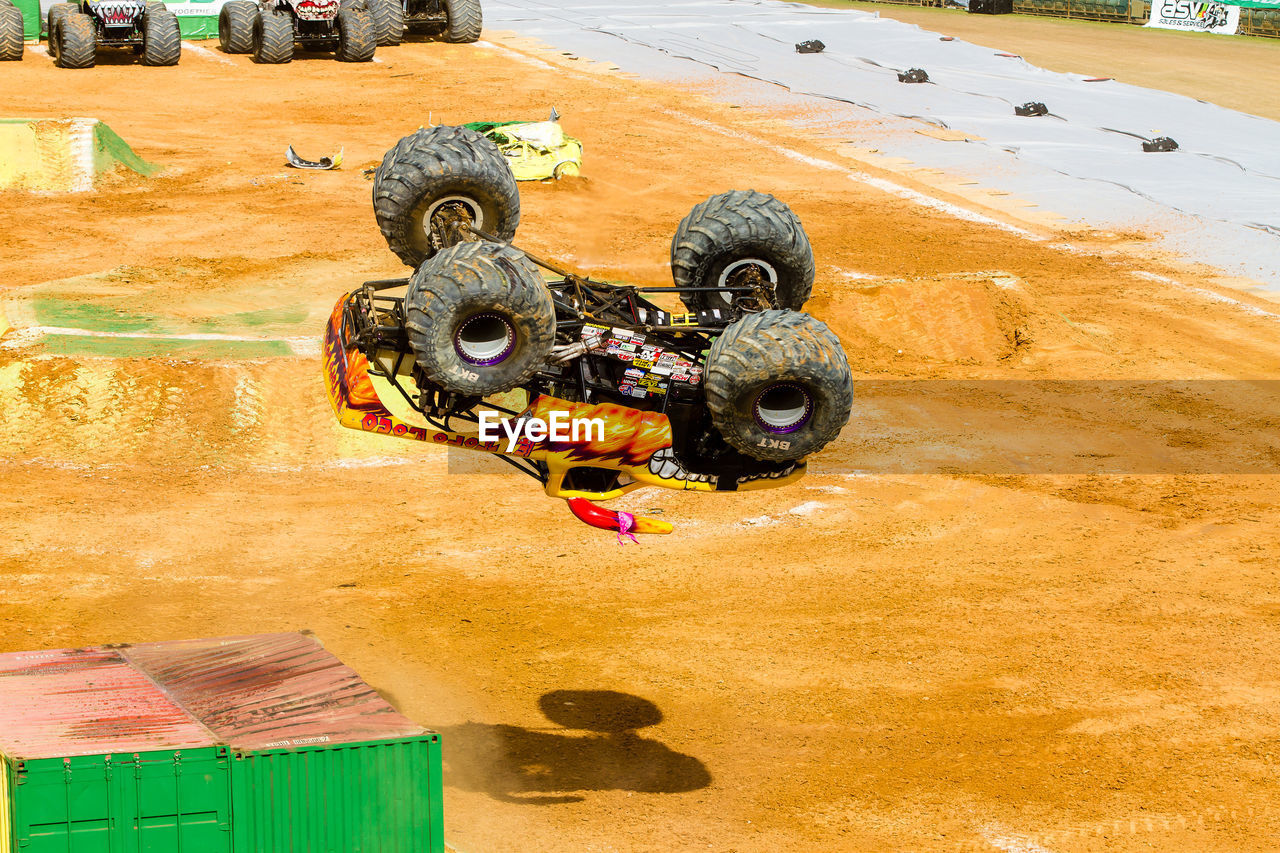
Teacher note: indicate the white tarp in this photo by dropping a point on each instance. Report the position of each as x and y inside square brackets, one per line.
[1195, 15]
[1085, 158]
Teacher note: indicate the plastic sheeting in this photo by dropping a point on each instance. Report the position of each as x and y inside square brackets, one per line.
[1226, 171]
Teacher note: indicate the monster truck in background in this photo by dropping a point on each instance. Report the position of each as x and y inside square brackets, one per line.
[271, 28]
[12, 32]
[456, 21]
[732, 394]
[76, 31]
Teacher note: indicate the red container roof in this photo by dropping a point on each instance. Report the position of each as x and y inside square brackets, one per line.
[252, 693]
[87, 702]
[270, 690]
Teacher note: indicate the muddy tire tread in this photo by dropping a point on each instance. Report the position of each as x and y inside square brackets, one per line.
[12, 35]
[466, 20]
[742, 223]
[772, 346]
[388, 21]
[77, 41]
[273, 38]
[162, 39]
[437, 161]
[479, 276]
[235, 26]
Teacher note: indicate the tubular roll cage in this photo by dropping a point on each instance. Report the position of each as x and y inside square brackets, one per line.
[594, 302]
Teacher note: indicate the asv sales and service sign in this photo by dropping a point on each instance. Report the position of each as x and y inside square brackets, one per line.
[1194, 15]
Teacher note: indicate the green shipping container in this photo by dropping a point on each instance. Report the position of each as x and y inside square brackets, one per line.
[264, 744]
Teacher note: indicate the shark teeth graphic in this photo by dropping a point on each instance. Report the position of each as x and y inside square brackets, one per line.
[771, 475]
[664, 464]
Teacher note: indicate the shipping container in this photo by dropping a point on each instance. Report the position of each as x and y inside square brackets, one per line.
[264, 744]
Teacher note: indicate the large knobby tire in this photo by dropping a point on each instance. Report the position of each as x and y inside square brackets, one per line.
[435, 178]
[740, 238]
[153, 6]
[388, 21]
[77, 41]
[356, 38]
[56, 13]
[11, 34]
[273, 37]
[161, 38]
[465, 21]
[235, 26]
[778, 385]
[480, 318]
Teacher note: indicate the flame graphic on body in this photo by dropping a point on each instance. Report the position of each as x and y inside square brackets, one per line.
[630, 435]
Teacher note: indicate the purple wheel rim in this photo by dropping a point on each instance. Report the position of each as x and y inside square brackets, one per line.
[484, 339]
[782, 408]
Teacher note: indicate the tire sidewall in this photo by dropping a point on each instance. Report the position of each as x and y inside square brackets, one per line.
[463, 376]
[784, 446]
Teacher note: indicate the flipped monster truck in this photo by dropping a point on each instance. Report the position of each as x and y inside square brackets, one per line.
[456, 21]
[730, 394]
[76, 31]
[12, 32]
[271, 28]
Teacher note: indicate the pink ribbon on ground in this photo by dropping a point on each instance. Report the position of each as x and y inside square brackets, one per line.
[626, 521]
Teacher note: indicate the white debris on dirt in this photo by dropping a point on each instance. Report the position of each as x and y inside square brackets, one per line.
[206, 53]
[807, 508]
[1206, 294]
[1010, 842]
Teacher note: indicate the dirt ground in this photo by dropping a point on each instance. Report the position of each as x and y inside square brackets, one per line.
[1011, 646]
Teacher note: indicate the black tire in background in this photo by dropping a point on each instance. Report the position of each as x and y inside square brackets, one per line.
[388, 21]
[12, 34]
[778, 385]
[465, 20]
[439, 175]
[737, 237]
[480, 318]
[56, 13]
[161, 38]
[356, 39]
[273, 37]
[153, 6]
[235, 26]
[77, 41]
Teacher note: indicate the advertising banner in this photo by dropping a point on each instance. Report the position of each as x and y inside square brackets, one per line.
[1197, 15]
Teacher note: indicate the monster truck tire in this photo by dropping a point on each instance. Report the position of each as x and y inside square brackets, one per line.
[11, 34]
[437, 172]
[736, 233]
[480, 318]
[356, 38]
[465, 21]
[235, 26]
[161, 38]
[388, 21]
[273, 37]
[152, 6]
[778, 385]
[56, 13]
[77, 41]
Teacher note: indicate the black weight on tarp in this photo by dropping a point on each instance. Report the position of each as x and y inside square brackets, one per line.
[1031, 108]
[810, 46]
[913, 75]
[1160, 143]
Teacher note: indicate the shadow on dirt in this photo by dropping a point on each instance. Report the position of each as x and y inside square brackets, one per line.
[545, 767]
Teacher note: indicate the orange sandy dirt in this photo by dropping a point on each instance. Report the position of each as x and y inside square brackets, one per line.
[868, 660]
